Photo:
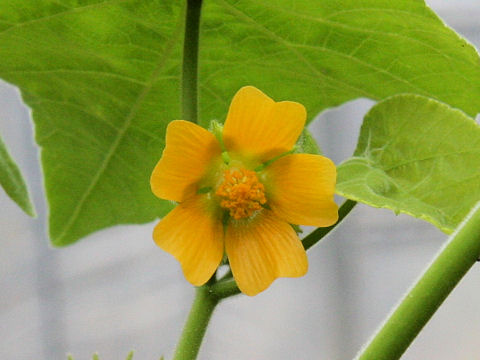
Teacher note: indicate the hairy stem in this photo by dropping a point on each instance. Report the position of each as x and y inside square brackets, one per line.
[190, 61]
[420, 303]
[196, 325]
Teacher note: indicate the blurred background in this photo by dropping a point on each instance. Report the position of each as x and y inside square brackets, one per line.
[116, 291]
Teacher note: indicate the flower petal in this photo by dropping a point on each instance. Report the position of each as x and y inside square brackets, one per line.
[188, 152]
[262, 249]
[194, 236]
[300, 189]
[257, 126]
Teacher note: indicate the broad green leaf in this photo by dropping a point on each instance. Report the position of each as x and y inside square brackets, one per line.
[103, 80]
[12, 181]
[324, 53]
[417, 156]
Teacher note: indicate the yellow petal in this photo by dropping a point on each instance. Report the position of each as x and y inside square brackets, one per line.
[300, 189]
[194, 236]
[263, 249]
[256, 126]
[188, 152]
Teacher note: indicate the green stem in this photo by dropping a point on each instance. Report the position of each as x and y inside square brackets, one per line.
[316, 235]
[196, 325]
[420, 303]
[225, 288]
[205, 301]
[190, 61]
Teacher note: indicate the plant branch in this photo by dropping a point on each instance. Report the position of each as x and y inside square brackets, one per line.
[196, 325]
[190, 61]
[205, 301]
[420, 303]
[319, 233]
[225, 288]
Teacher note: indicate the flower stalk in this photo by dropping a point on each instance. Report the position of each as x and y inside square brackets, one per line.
[196, 325]
[420, 303]
[319, 233]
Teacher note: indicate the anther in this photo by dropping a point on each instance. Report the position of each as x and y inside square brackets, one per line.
[241, 193]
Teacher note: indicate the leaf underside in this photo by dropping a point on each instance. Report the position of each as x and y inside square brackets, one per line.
[102, 78]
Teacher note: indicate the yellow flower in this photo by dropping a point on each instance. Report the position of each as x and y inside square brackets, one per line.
[240, 195]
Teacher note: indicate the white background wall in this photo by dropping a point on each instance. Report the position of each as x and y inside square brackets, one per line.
[116, 291]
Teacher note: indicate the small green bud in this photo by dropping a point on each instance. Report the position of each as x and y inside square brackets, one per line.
[204, 190]
[226, 157]
[217, 129]
[307, 144]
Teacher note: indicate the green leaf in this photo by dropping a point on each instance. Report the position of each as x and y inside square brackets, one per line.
[324, 53]
[130, 355]
[12, 181]
[306, 144]
[417, 156]
[103, 80]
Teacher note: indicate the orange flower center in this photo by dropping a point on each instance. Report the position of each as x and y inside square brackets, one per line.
[241, 193]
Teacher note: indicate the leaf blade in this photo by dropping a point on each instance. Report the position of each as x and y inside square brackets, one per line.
[12, 181]
[93, 94]
[337, 51]
[416, 156]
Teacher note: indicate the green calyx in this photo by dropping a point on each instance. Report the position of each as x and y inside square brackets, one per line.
[217, 129]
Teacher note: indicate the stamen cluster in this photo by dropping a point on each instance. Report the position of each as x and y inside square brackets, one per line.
[241, 193]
